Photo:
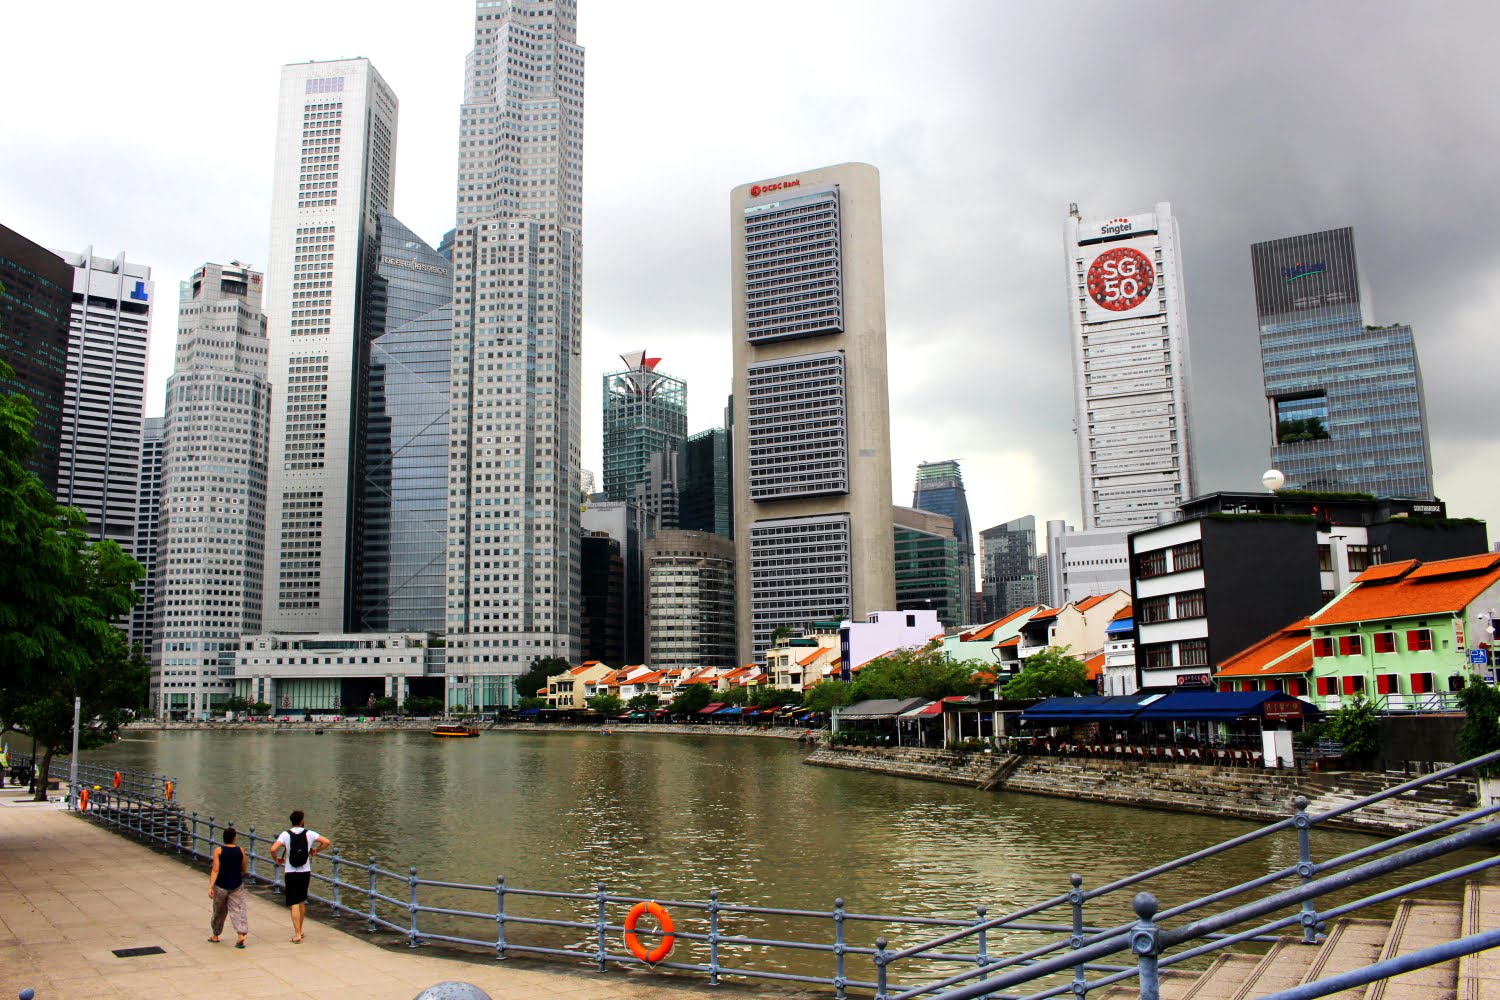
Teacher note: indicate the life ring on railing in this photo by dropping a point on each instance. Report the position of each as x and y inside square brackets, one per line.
[117, 780]
[167, 791]
[83, 801]
[632, 942]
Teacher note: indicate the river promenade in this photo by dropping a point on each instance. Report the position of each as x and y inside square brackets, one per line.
[71, 893]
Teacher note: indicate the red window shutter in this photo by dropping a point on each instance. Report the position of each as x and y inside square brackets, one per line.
[1349, 684]
[1296, 686]
[1247, 686]
[1421, 683]
[1386, 683]
[1226, 686]
[1322, 647]
[1274, 684]
[1325, 685]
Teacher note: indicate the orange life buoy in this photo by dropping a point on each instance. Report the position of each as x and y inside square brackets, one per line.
[83, 800]
[632, 942]
[168, 791]
[117, 779]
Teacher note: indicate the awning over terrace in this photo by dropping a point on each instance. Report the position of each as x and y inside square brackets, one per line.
[1178, 706]
[880, 708]
[711, 708]
[1094, 708]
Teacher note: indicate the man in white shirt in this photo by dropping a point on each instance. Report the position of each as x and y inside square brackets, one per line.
[298, 846]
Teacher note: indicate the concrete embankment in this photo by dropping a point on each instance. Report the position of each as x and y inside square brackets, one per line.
[1242, 793]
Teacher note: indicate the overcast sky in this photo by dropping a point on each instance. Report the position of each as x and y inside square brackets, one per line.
[148, 128]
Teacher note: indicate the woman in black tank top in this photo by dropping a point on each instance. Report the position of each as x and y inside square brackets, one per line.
[226, 888]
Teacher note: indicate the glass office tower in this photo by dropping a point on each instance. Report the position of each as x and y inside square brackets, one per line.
[940, 489]
[645, 412]
[405, 474]
[1344, 397]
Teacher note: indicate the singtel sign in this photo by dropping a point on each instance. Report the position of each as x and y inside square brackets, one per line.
[414, 265]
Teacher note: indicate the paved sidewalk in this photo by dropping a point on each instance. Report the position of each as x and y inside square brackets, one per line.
[72, 892]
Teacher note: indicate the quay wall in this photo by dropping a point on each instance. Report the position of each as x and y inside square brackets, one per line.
[1255, 794]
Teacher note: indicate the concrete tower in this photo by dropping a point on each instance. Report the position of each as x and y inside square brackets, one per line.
[812, 466]
[513, 534]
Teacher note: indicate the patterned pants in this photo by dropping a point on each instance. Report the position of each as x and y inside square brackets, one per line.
[231, 902]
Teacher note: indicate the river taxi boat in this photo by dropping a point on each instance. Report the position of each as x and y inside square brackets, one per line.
[455, 732]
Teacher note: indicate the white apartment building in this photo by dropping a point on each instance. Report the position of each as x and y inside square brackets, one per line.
[513, 572]
[147, 525]
[812, 466]
[1128, 318]
[1080, 563]
[99, 453]
[335, 157]
[334, 673]
[211, 549]
[883, 632]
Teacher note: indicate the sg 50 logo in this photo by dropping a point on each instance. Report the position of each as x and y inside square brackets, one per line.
[1121, 279]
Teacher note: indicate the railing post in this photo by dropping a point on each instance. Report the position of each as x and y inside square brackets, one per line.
[211, 838]
[880, 972]
[838, 948]
[372, 925]
[1303, 823]
[338, 899]
[713, 937]
[412, 940]
[500, 917]
[193, 844]
[251, 855]
[601, 926]
[1145, 943]
[1075, 897]
[982, 957]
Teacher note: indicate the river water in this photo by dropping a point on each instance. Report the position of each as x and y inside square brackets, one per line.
[673, 816]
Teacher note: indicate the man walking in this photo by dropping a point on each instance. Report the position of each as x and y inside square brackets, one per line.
[298, 846]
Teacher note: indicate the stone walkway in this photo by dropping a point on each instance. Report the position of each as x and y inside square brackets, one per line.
[71, 893]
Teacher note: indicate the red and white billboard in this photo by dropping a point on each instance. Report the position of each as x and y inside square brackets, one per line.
[1120, 281]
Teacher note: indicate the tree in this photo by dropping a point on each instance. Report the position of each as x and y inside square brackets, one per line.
[643, 703]
[535, 677]
[1052, 673]
[1480, 733]
[234, 703]
[913, 673]
[770, 697]
[526, 703]
[384, 706]
[780, 632]
[1357, 727]
[261, 708]
[692, 698]
[606, 704]
[424, 706]
[735, 696]
[825, 696]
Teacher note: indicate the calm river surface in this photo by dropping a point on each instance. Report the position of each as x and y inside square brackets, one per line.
[673, 816]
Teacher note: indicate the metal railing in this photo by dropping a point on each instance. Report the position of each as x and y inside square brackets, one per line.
[141, 783]
[854, 951]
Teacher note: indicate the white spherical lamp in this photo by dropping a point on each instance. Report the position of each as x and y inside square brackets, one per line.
[1273, 480]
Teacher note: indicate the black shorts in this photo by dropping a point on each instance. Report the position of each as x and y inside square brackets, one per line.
[296, 887]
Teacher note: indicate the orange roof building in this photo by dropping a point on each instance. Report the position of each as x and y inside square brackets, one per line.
[1282, 661]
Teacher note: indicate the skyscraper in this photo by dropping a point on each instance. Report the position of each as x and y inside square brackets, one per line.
[1344, 398]
[940, 489]
[645, 412]
[812, 467]
[147, 523]
[705, 492]
[1008, 565]
[212, 538]
[690, 600]
[335, 157]
[36, 296]
[1128, 318]
[99, 454]
[928, 575]
[404, 484]
[513, 538]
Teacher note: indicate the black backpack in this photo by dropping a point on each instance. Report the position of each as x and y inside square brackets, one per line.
[297, 852]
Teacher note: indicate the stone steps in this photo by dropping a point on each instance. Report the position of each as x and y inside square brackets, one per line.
[1351, 944]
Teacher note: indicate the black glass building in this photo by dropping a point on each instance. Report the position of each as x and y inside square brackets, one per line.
[36, 302]
[404, 474]
[1344, 397]
[705, 494]
[939, 489]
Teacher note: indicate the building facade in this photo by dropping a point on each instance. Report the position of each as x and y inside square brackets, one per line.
[690, 614]
[940, 489]
[627, 525]
[812, 473]
[404, 517]
[1128, 316]
[333, 175]
[1007, 558]
[513, 573]
[1080, 563]
[929, 565]
[1344, 398]
[147, 531]
[657, 494]
[645, 414]
[36, 304]
[340, 674]
[99, 452]
[211, 553]
[705, 487]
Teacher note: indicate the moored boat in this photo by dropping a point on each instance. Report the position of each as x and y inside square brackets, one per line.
[455, 732]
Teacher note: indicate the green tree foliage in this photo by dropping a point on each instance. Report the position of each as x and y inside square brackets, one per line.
[914, 673]
[234, 703]
[384, 706]
[692, 698]
[643, 703]
[825, 696]
[735, 696]
[1052, 673]
[1308, 429]
[261, 708]
[60, 594]
[535, 677]
[1480, 733]
[424, 706]
[1357, 727]
[769, 697]
[526, 703]
[606, 704]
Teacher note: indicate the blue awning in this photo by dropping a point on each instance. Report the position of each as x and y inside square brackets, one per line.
[530, 711]
[1214, 706]
[1095, 708]
[731, 710]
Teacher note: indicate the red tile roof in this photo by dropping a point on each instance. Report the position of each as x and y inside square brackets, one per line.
[1091, 601]
[985, 631]
[1014, 640]
[1046, 614]
[1440, 587]
[1287, 651]
[1127, 611]
[1386, 571]
[812, 656]
[1095, 666]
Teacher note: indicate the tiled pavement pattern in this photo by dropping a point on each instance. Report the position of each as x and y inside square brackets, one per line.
[71, 893]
